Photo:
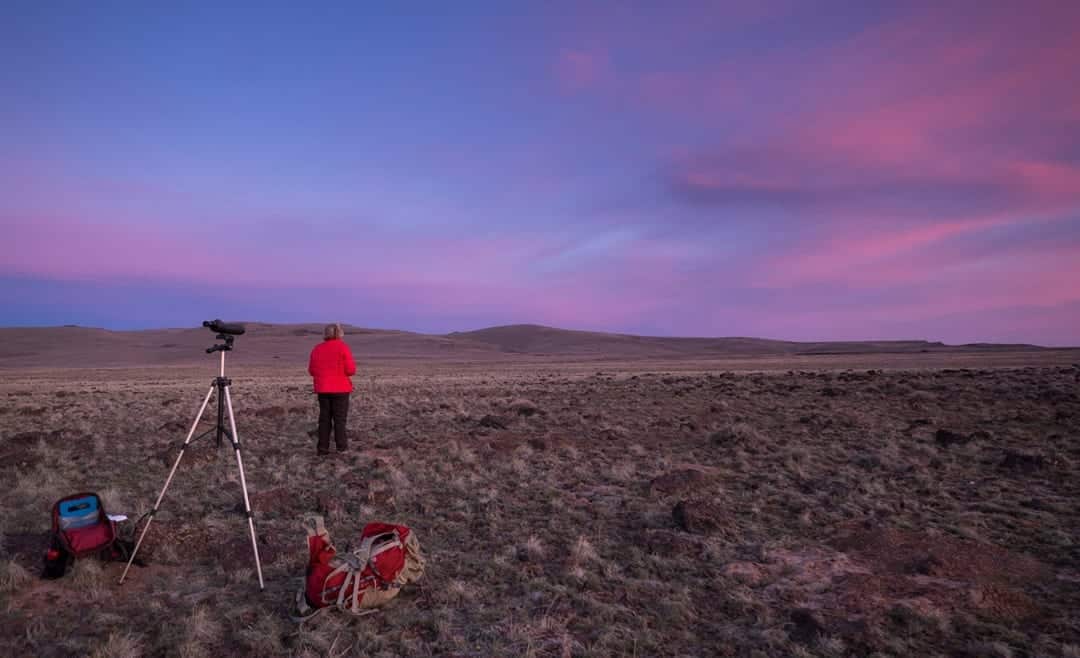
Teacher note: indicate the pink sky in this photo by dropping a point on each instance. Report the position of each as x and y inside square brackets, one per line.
[840, 171]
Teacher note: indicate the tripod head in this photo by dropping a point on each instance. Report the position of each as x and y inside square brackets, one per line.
[226, 332]
[222, 347]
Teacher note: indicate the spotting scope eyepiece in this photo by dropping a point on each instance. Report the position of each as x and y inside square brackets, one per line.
[229, 328]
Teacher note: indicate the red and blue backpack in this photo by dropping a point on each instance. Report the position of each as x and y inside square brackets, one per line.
[80, 528]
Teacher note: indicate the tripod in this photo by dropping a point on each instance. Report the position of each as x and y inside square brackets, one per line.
[221, 385]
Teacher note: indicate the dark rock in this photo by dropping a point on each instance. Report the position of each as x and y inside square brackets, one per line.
[699, 516]
[925, 565]
[868, 462]
[728, 436]
[831, 392]
[947, 438]
[538, 444]
[677, 482]
[904, 617]
[1023, 462]
[612, 434]
[1035, 503]
[806, 625]
[494, 422]
[28, 439]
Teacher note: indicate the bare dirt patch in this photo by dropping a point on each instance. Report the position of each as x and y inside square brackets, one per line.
[898, 551]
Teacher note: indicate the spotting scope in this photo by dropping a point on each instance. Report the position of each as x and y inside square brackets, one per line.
[219, 327]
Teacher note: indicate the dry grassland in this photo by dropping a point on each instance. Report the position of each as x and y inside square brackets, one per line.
[601, 510]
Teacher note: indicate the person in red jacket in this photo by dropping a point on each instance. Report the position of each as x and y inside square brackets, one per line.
[331, 365]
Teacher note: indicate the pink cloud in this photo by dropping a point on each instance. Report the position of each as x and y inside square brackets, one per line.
[916, 156]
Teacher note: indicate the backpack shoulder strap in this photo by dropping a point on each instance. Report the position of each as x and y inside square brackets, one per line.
[367, 552]
[315, 526]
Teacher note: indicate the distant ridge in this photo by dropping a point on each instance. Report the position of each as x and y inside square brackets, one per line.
[539, 339]
[273, 344]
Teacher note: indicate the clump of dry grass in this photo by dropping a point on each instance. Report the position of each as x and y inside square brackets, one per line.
[120, 645]
[736, 433]
[459, 592]
[523, 407]
[201, 633]
[532, 548]
[13, 577]
[88, 576]
[991, 650]
[583, 551]
[264, 637]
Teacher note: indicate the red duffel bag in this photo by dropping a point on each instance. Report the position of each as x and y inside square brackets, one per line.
[387, 558]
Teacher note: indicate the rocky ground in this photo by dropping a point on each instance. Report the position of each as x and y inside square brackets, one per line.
[613, 511]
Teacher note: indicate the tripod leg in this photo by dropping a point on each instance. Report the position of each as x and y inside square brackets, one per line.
[220, 415]
[168, 480]
[243, 486]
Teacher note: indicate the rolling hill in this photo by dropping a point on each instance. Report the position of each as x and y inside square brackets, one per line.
[268, 344]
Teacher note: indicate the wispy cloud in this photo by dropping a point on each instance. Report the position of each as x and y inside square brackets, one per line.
[840, 170]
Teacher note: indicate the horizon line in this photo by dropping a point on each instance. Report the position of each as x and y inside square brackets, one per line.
[553, 328]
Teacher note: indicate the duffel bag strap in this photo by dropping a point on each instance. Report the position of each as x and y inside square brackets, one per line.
[354, 608]
[350, 576]
[316, 527]
[304, 611]
[366, 555]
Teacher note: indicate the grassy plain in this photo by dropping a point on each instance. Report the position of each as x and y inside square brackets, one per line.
[820, 506]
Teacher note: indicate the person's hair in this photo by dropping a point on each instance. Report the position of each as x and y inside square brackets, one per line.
[333, 331]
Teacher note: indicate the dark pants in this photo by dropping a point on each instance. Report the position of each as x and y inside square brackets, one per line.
[333, 410]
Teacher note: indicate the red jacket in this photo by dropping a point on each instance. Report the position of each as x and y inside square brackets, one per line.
[331, 365]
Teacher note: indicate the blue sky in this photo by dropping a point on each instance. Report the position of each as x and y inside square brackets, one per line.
[837, 171]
